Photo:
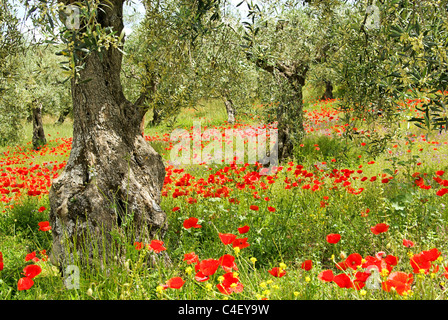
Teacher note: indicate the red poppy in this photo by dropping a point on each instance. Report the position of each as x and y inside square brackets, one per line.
[271, 209]
[391, 260]
[353, 261]
[138, 245]
[360, 279]
[379, 228]
[432, 255]
[333, 238]
[176, 209]
[442, 192]
[157, 246]
[343, 281]
[227, 262]
[254, 207]
[400, 281]
[276, 272]
[1, 261]
[44, 226]
[244, 229]
[240, 243]
[200, 277]
[408, 243]
[191, 222]
[227, 238]
[175, 283]
[341, 265]
[191, 258]
[208, 267]
[307, 265]
[24, 283]
[31, 256]
[419, 262]
[32, 270]
[326, 275]
[230, 284]
[42, 209]
[440, 173]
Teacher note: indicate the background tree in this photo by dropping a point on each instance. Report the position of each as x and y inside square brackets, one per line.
[11, 46]
[286, 40]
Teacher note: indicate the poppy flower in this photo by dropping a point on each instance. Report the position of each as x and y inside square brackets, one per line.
[432, 255]
[442, 192]
[191, 258]
[379, 228]
[244, 229]
[254, 207]
[175, 283]
[400, 281]
[343, 281]
[277, 272]
[227, 262]
[326, 276]
[24, 283]
[227, 238]
[176, 209]
[30, 256]
[419, 262]
[440, 173]
[138, 245]
[408, 243]
[230, 284]
[360, 279]
[191, 222]
[44, 226]
[240, 243]
[200, 277]
[271, 209]
[333, 238]
[353, 261]
[32, 270]
[42, 209]
[1, 261]
[157, 246]
[208, 267]
[307, 265]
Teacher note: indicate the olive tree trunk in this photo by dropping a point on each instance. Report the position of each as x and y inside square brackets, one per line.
[328, 94]
[290, 111]
[113, 178]
[230, 109]
[38, 128]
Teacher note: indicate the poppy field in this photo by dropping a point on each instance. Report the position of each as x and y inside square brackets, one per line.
[336, 223]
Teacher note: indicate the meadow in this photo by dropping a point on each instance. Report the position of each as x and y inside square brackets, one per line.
[337, 223]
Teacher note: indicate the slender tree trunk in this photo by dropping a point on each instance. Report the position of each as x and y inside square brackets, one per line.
[63, 115]
[230, 108]
[328, 94]
[113, 177]
[290, 111]
[38, 128]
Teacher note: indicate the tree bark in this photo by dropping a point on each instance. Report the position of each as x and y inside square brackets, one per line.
[63, 115]
[328, 94]
[290, 111]
[230, 108]
[38, 128]
[112, 182]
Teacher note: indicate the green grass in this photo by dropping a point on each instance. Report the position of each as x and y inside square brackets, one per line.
[295, 232]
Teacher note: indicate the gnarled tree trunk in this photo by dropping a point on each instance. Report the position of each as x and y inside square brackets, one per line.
[328, 94]
[113, 177]
[38, 128]
[230, 108]
[290, 111]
